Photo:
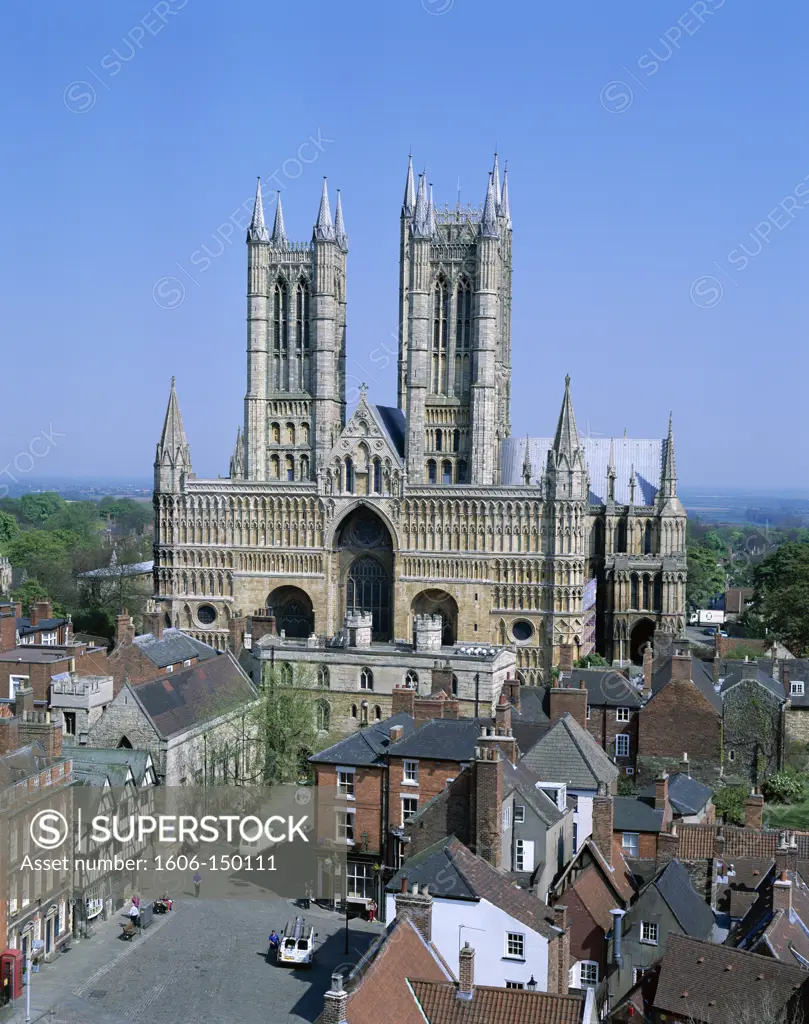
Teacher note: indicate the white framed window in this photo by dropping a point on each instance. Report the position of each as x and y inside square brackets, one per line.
[507, 816]
[629, 770]
[514, 984]
[588, 712]
[14, 684]
[345, 782]
[169, 668]
[731, 755]
[588, 973]
[187, 663]
[410, 804]
[412, 680]
[69, 723]
[366, 679]
[410, 774]
[649, 932]
[360, 881]
[637, 974]
[519, 814]
[622, 714]
[515, 945]
[629, 843]
[622, 744]
[524, 855]
[345, 826]
[49, 639]
[796, 688]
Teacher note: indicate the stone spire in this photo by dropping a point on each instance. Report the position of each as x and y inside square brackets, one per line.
[633, 483]
[611, 474]
[237, 459]
[668, 488]
[279, 235]
[526, 464]
[421, 221]
[410, 190]
[339, 226]
[505, 208]
[173, 456]
[257, 232]
[566, 440]
[496, 179]
[324, 228]
[432, 224]
[488, 222]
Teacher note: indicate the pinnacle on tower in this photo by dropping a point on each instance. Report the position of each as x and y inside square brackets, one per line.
[505, 209]
[410, 190]
[257, 232]
[611, 473]
[237, 459]
[633, 483]
[496, 177]
[173, 456]
[339, 226]
[668, 485]
[324, 228]
[432, 224]
[526, 464]
[488, 222]
[279, 235]
[421, 224]
[173, 438]
[566, 440]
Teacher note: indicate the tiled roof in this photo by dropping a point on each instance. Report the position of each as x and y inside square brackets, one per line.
[569, 754]
[452, 871]
[118, 571]
[173, 648]
[441, 1005]
[606, 687]
[693, 913]
[701, 677]
[392, 419]
[713, 983]
[441, 739]
[632, 815]
[764, 679]
[182, 700]
[366, 747]
[697, 841]
[25, 627]
[102, 759]
[596, 896]
[518, 778]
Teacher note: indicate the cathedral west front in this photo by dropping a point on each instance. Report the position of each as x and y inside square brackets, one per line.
[431, 506]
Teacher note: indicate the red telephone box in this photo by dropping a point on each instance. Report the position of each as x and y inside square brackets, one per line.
[11, 966]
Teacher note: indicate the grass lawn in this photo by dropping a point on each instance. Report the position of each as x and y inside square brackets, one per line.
[787, 815]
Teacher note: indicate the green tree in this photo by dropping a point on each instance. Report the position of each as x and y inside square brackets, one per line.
[706, 576]
[29, 592]
[36, 508]
[785, 787]
[286, 725]
[77, 517]
[729, 804]
[9, 528]
[781, 596]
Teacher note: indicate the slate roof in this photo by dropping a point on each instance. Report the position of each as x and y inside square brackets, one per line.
[25, 627]
[711, 983]
[441, 739]
[569, 754]
[518, 778]
[368, 746]
[441, 1005]
[26, 761]
[114, 761]
[173, 648]
[644, 455]
[686, 795]
[701, 677]
[735, 676]
[116, 571]
[451, 871]
[199, 694]
[692, 912]
[606, 687]
[632, 815]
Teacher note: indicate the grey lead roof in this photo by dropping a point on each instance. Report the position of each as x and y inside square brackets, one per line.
[394, 423]
[366, 747]
[606, 686]
[645, 455]
[695, 916]
[735, 676]
[441, 739]
[173, 648]
[569, 754]
[631, 815]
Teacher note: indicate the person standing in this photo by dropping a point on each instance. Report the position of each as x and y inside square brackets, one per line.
[197, 883]
[372, 911]
[134, 914]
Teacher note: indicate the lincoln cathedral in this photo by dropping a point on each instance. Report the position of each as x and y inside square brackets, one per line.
[431, 507]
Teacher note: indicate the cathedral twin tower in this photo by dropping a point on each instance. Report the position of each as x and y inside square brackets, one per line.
[427, 507]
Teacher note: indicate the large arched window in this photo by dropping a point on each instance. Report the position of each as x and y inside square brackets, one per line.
[323, 716]
[431, 471]
[368, 590]
[438, 381]
[648, 538]
[658, 593]
[377, 476]
[302, 315]
[349, 479]
[461, 472]
[323, 676]
[634, 595]
[620, 537]
[646, 592]
[412, 680]
[446, 472]
[285, 673]
[280, 326]
[366, 679]
[463, 335]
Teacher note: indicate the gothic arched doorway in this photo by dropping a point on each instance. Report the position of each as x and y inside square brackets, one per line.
[439, 602]
[642, 631]
[292, 608]
[365, 552]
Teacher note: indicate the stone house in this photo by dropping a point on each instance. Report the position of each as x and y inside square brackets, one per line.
[79, 702]
[195, 723]
[667, 905]
[519, 938]
[753, 727]
[160, 650]
[568, 757]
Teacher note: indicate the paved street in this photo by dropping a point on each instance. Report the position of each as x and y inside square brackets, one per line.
[206, 961]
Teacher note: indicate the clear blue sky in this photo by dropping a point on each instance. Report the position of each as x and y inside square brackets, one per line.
[647, 142]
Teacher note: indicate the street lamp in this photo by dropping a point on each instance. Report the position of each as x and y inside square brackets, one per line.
[532, 984]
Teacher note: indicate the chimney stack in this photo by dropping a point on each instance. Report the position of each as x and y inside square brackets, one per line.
[502, 715]
[417, 906]
[681, 666]
[237, 627]
[8, 628]
[33, 615]
[662, 792]
[335, 1002]
[488, 818]
[562, 950]
[124, 628]
[782, 893]
[395, 734]
[572, 700]
[262, 623]
[403, 701]
[754, 811]
[648, 664]
[153, 623]
[566, 657]
[466, 972]
[603, 818]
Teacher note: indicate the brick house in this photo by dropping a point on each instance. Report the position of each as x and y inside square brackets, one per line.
[682, 719]
[139, 659]
[40, 627]
[690, 801]
[638, 822]
[613, 707]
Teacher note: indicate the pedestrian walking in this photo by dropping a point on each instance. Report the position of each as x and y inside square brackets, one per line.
[372, 911]
[197, 883]
[134, 914]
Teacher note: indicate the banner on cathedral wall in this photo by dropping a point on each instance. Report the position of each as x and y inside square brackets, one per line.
[589, 618]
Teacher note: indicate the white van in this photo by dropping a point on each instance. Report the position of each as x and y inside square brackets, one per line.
[297, 945]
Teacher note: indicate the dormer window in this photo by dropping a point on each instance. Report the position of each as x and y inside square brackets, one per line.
[796, 688]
